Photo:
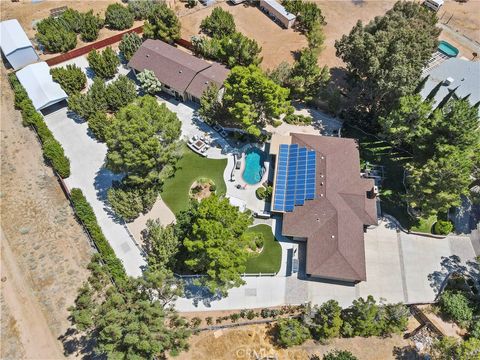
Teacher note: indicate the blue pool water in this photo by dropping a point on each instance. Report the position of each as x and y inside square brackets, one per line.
[252, 174]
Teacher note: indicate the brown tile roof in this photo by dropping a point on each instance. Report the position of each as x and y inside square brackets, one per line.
[333, 222]
[176, 68]
[216, 73]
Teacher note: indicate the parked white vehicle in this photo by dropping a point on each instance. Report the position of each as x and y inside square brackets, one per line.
[435, 5]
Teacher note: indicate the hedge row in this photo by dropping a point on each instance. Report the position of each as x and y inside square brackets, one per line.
[52, 150]
[85, 212]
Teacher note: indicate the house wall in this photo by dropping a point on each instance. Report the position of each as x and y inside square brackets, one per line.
[22, 57]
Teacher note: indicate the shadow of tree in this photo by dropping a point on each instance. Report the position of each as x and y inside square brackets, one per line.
[406, 353]
[79, 345]
[449, 265]
[199, 294]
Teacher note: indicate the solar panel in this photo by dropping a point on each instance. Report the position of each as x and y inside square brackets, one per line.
[295, 181]
[311, 169]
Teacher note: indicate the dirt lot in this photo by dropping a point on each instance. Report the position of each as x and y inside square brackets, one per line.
[44, 249]
[279, 44]
[245, 342]
[27, 13]
[255, 24]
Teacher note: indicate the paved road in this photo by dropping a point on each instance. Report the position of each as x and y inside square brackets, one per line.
[87, 157]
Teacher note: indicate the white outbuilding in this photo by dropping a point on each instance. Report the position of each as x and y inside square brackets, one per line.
[39, 85]
[16, 47]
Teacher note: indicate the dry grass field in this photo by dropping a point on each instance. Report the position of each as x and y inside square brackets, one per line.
[245, 342]
[44, 249]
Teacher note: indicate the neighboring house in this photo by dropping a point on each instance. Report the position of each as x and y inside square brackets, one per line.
[181, 74]
[454, 74]
[324, 201]
[40, 87]
[16, 47]
[277, 12]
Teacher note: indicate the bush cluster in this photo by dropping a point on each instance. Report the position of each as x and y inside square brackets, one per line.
[443, 227]
[104, 64]
[297, 119]
[141, 9]
[71, 78]
[130, 44]
[86, 215]
[264, 193]
[118, 17]
[52, 150]
[59, 34]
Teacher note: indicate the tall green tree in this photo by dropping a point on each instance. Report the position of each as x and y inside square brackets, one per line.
[435, 185]
[118, 17]
[141, 9]
[326, 321]
[210, 104]
[409, 122]
[307, 78]
[214, 243]
[103, 64]
[218, 24]
[136, 322]
[162, 23]
[308, 14]
[252, 99]
[130, 44]
[55, 36]
[362, 318]
[71, 78]
[291, 332]
[385, 58]
[91, 25]
[161, 244]
[142, 141]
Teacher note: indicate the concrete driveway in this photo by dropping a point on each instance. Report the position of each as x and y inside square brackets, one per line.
[87, 157]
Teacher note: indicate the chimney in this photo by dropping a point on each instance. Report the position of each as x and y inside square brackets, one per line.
[448, 81]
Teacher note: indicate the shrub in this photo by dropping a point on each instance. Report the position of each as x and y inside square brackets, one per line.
[295, 119]
[72, 20]
[91, 26]
[195, 322]
[118, 17]
[291, 332]
[128, 202]
[140, 9]
[55, 36]
[162, 23]
[250, 314]
[260, 193]
[457, 306]
[71, 78]
[209, 320]
[213, 188]
[104, 64]
[277, 123]
[234, 317]
[149, 82]
[443, 227]
[130, 44]
[191, 3]
[52, 150]
[98, 124]
[218, 24]
[474, 330]
[265, 313]
[339, 355]
[120, 92]
[86, 215]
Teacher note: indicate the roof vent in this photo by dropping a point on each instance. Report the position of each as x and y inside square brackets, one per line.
[206, 82]
[448, 81]
[147, 55]
[179, 71]
[333, 236]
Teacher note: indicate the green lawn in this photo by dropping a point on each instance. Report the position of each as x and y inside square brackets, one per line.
[268, 261]
[425, 225]
[189, 168]
[378, 152]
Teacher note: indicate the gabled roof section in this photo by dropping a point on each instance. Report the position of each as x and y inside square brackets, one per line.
[13, 37]
[333, 222]
[215, 73]
[39, 85]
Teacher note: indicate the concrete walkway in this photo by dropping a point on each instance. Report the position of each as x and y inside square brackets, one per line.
[87, 158]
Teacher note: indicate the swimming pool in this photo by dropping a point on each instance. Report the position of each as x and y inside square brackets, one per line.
[447, 48]
[253, 172]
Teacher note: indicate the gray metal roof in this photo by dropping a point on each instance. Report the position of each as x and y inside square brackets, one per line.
[465, 75]
[12, 37]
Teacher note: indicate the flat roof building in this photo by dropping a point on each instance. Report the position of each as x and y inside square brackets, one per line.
[39, 85]
[455, 74]
[16, 47]
[181, 74]
[278, 12]
[325, 202]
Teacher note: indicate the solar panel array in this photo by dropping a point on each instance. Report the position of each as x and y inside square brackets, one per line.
[296, 167]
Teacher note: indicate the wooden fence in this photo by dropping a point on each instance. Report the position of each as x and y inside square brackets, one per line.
[96, 45]
[103, 43]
